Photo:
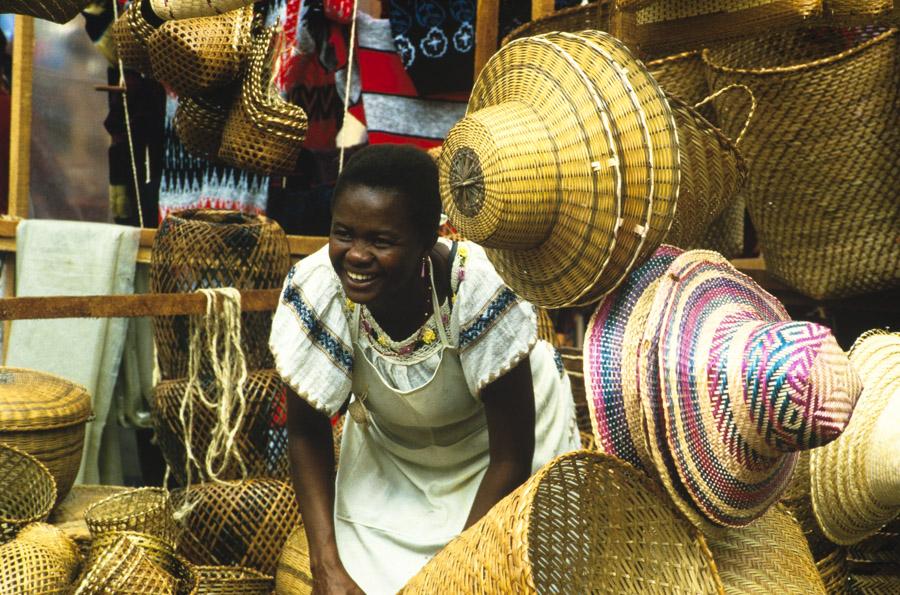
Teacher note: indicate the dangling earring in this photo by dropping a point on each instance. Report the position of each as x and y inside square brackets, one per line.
[423, 267]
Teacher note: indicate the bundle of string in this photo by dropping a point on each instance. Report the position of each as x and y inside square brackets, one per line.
[216, 336]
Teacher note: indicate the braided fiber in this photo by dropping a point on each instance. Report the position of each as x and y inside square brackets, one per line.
[835, 571]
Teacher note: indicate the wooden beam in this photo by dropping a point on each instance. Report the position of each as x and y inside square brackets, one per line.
[541, 8]
[486, 31]
[126, 306]
[20, 117]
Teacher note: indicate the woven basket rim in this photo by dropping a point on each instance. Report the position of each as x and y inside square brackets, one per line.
[674, 58]
[99, 504]
[42, 470]
[740, 163]
[219, 217]
[83, 415]
[708, 59]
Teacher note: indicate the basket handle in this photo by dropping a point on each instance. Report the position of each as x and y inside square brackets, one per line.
[750, 114]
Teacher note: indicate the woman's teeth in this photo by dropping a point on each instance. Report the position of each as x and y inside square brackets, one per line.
[359, 278]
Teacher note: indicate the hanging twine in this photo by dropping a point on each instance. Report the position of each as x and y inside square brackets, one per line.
[217, 337]
[349, 80]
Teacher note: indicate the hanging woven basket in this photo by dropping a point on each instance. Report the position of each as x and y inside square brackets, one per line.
[199, 248]
[200, 120]
[189, 9]
[594, 15]
[131, 32]
[28, 493]
[58, 11]
[824, 149]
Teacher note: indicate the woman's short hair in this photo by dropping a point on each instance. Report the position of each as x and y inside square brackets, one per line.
[408, 172]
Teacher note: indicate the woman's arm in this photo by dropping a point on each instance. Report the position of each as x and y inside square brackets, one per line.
[311, 449]
[509, 407]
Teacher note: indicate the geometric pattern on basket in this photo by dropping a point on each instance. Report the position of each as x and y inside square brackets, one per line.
[238, 523]
[28, 567]
[130, 33]
[261, 438]
[28, 491]
[293, 574]
[230, 580]
[585, 523]
[196, 249]
[199, 122]
[125, 567]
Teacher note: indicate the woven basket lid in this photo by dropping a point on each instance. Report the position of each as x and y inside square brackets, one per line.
[33, 400]
[733, 389]
[855, 481]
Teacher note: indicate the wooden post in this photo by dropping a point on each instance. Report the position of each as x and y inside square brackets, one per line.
[20, 117]
[541, 8]
[486, 31]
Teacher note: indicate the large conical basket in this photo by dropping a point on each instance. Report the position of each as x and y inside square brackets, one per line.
[585, 523]
[58, 11]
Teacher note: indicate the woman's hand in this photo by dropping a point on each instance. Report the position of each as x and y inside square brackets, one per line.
[332, 579]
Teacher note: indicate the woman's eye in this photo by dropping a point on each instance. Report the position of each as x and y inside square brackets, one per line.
[383, 243]
[341, 234]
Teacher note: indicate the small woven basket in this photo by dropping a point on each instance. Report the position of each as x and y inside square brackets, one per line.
[194, 56]
[130, 32]
[189, 9]
[27, 568]
[293, 575]
[585, 523]
[232, 580]
[261, 438]
[58, 11]
[200, 120]
[824, 149]
[68, 515]
[198, 248]
[238, 523]
[55, 541]
[28, 493]
[572, 19]
[45, 416]
[145, 510]
[129, 562]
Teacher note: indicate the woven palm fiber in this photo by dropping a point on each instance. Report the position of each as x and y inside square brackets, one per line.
[189, 9]
[200, 120]
[767, 556]
[678, 25]
[572, 364]
[198, 248]
[56, 542]
[866, 9]
[835, 571]
[145, 510]
[883, 547]
[261, 438]
[68, 515]
[45, 415]
[160, 551]
[546, 332]
[584, 523]
[130, 32]
[194, 56]
[238, 523]
[28, 493]
[825, 151]
[570, 20]
[126, 566]
[293, 575]
[884, 583]
[28, 568]
[58, 11]
[232, 580]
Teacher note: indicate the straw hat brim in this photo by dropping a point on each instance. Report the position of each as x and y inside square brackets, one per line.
[844, 510]
[726, 479]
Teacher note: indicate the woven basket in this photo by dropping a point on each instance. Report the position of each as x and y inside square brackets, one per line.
[658, 26]
[263, 133]
[835, 571]
[200, 120]
[887, 583]
[238, 523]
[207, 248]
[189, 9]
[56, 542]
[861, 11]
[585, 523]
[194, 56]
[145, 510]
[129, 562]
[766, 556]
[130, 32]
[27, 568]
[45, 416]
[58, 11]
[28, 493]
[68, 515]
[570, 20]
[293, 575]
[261, 439]
[824, 149]
[232, 580]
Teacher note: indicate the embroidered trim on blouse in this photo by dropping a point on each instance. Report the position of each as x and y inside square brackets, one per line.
[320, 335]
[503, 300]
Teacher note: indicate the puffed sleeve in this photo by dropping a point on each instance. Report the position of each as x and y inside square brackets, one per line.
[496, 328]
[310, 337]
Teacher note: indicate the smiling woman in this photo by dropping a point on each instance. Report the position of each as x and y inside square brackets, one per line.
[453, 401]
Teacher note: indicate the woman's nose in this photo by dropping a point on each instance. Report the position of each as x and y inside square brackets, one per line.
[358, 253]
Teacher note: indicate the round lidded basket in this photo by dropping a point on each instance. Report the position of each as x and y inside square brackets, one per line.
[232, 580]
[146, 510]
[204, 248]
[28, 493]
[45, 416]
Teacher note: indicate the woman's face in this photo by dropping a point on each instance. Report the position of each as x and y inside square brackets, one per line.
[374, 247]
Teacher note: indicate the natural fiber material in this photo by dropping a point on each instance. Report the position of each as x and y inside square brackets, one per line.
[856, 480]
[867, 9]
[125, 566]
[189, 9]
[887, 583]
[56, 542]
[242, 523]
[741, 389]
[131, 31]
[826, 217]
[572, 361]
[58, 11]
[200, 120]
[206, 249]
[28, 568]
[194, 56]
[260, 437]
[767, 556]
[145, 510]
[293, 575]
[45, 416]
[232, 580]
[28, 493]
[834, 571]
[881, 548]
[68, 515]
[263, 133]
[546, 332]
[570, 20]
[585, 523]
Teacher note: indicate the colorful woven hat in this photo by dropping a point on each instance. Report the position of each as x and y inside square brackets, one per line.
[731, 389]
[855, 481]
